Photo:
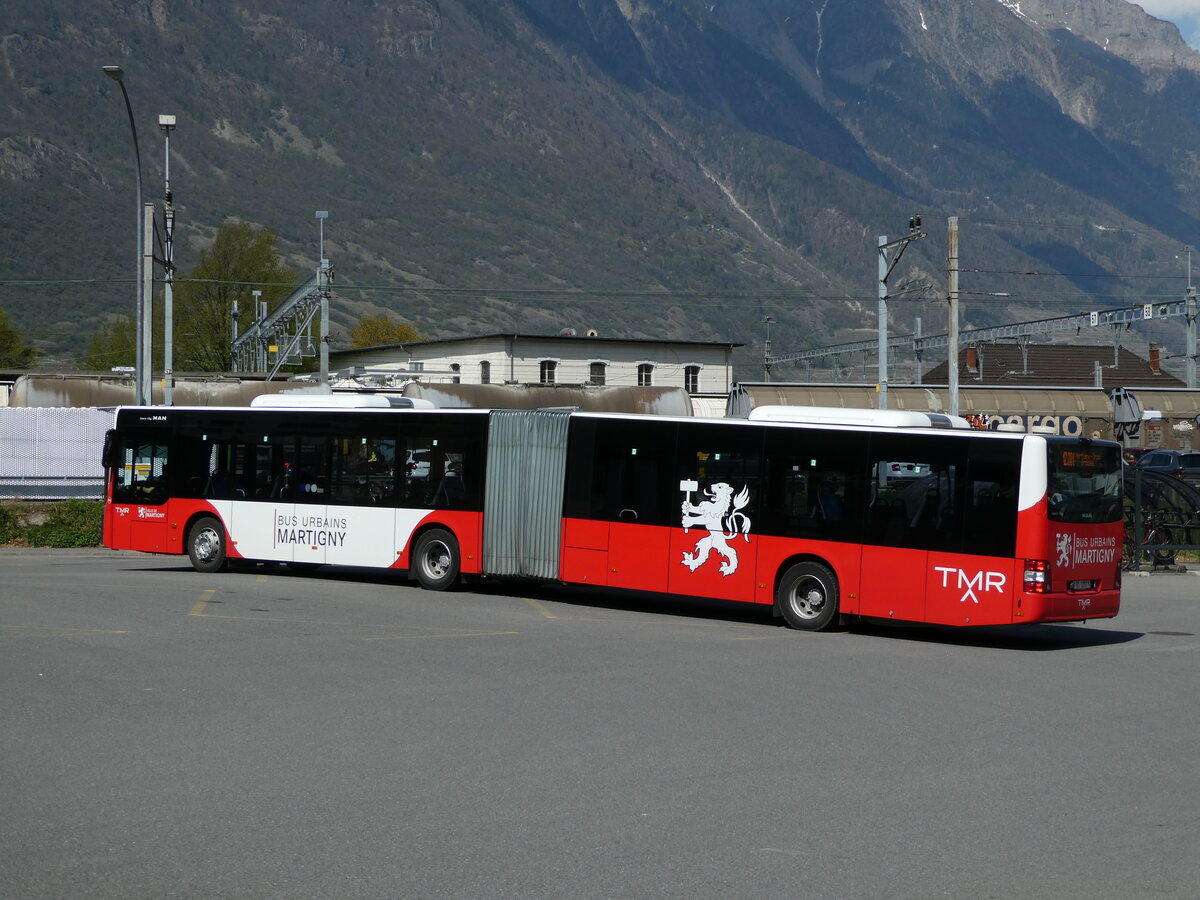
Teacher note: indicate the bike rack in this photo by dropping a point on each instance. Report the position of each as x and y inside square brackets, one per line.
[1188, 519]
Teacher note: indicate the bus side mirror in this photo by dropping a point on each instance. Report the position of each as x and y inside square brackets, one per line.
[108, 456]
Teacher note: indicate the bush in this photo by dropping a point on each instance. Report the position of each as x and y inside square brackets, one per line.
[71, 523]
[8, 526]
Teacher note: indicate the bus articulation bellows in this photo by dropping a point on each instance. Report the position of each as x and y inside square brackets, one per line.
[899, 517]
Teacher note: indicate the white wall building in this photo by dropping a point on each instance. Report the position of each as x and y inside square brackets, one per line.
[699, 367]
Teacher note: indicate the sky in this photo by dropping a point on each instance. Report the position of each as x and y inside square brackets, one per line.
[1184, 13]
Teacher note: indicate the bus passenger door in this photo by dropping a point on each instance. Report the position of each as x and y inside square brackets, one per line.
[299, 495]
[637, 556]
[140, 494]
[915, 512]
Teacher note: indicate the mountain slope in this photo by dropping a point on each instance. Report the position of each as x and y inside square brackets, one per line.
[668, 168]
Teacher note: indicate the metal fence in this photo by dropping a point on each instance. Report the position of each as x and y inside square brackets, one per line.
[1162, 518]
[52, 454]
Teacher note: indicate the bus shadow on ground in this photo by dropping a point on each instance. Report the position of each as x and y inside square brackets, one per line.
[1029, 638]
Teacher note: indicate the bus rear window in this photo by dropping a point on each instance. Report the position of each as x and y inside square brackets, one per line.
[1085, 482]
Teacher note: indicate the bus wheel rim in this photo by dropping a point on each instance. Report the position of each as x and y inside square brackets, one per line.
[808, 597]
[437, 559]
[208, 544]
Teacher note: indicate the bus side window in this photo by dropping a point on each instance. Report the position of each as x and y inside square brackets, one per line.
[917, 484]
[813, 490]
[990, 522]
[363, 471]
[630, 473]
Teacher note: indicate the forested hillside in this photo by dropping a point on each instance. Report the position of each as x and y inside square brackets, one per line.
[664, 168]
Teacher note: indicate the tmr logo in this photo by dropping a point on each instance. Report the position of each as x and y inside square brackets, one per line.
[970, 583]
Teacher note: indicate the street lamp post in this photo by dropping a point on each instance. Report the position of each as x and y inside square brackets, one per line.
[141, 391]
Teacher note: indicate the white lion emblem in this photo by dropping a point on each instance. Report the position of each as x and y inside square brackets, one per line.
[1064, 548]
[722, 515]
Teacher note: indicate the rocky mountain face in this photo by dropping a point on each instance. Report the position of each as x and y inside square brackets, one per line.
[1117, 27]
[674, 168]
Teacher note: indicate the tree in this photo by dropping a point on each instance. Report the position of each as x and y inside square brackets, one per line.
[14, 352]
[113, 344]
[240, 260]
[373, 331]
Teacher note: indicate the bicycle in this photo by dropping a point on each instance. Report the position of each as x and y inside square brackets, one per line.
[1155, 534]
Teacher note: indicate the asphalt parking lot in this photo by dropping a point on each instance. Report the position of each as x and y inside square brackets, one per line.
[263, 734]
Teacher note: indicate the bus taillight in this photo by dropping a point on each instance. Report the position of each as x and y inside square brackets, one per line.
[1036, 576]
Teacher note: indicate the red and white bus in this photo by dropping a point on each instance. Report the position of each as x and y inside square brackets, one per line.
[821, 514]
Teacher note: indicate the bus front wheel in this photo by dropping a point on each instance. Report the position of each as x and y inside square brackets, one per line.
[807, 596]
[435, 560]
[206, 545]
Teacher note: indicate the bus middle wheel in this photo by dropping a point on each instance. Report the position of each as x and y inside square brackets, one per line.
[436, 560]
[807, 596]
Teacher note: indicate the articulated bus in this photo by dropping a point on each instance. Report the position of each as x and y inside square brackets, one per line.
[820, 514]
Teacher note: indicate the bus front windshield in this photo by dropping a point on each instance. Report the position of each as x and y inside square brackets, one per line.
[1085, 482]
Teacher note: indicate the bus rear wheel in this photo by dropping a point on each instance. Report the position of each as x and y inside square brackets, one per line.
[807, 596]
[436, 560]
[206, 545]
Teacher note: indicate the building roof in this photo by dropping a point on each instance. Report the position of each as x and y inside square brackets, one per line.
[1052, 365]
[542, 337]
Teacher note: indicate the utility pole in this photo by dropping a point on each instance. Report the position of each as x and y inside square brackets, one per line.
[324, 277]
[1191, 338]
[917, 351]
[952, 300]
[882, 318]
[260, 315]
[167, 124]
[767, 350]
[146, 336]
[886, 267]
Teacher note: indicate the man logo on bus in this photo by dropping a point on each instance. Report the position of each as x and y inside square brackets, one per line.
[1064, 548]
[721, 514]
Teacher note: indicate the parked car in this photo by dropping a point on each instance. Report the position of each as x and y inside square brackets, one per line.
[417, 464]
[1132, 454]
[1183, 464]
[892, 472]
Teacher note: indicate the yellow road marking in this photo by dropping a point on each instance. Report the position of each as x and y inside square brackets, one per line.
[205, 596]
[791, 633]
[417, 637]
[538, 606]
[198, 610]
[57, 629]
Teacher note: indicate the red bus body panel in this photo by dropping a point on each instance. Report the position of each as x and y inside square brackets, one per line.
[1083, 574]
